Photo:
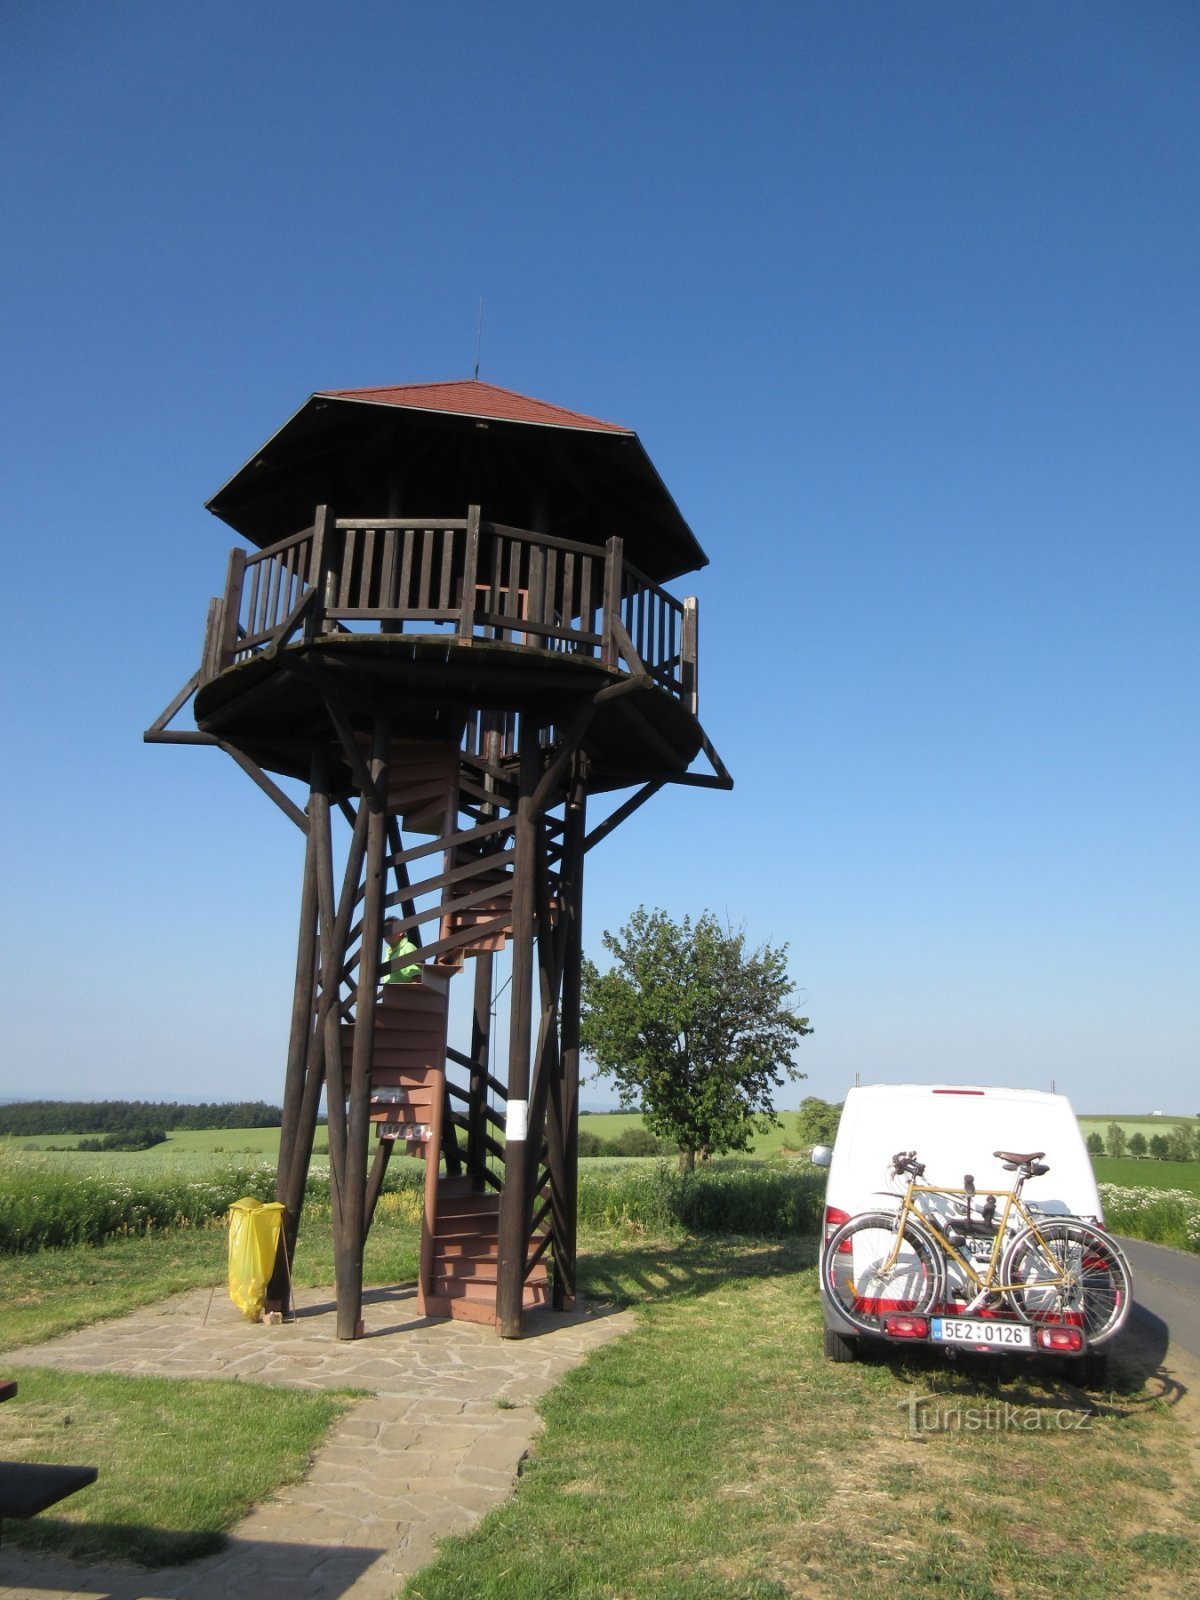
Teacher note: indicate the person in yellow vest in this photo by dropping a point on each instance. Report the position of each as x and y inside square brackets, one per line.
[396, 947]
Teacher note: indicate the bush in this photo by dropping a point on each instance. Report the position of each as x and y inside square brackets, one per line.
[590, 1144]
[634, 1142]
[725, 1197]
[130, 1139]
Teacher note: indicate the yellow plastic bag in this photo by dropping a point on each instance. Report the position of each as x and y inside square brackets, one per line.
[254, 1232]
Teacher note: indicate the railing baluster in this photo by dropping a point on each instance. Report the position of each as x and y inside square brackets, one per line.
[271, 614]
[368, 570]
[423, 592]
[349, 548]
[406, 565]
[387, 573]
[447, 568]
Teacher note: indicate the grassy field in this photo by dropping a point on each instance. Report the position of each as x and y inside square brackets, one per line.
[608, 1126]
[180, 1461]
[715, 1455]
[1143, 1123]
[712, 1454]
[1147, 1174]
[192, 1151]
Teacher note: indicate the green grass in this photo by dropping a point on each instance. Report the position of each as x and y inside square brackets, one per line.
[50, 1292]
[609, 1125]
[180, 1461]
[188, 1153]
[715, 1455]
[712, 1454]
[1134, 1174]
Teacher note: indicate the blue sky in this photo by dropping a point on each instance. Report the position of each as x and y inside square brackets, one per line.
[902, 302]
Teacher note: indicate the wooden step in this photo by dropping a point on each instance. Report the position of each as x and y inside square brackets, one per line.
[482, 1310]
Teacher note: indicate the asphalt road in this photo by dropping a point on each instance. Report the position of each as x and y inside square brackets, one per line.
[1166, 1291]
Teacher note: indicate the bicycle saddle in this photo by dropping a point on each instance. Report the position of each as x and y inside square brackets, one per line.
[1018, 1161]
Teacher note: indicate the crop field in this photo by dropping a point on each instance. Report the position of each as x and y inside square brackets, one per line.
[189, 1153]
[1143, 1123]
[1145, 1174]
[609, 1125]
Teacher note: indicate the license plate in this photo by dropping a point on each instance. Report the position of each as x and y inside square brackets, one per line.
[979, 1330]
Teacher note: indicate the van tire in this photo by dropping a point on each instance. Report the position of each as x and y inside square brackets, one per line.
[838, 1347]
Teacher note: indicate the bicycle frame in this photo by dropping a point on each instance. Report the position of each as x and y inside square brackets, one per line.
[1005, 1225]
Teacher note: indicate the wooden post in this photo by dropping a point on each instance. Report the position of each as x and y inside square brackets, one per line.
[210, 663]
[358, 1123]
[565, 1104]
[466, 620]
[689, 655]
[481, 1039]
[513, 1229]
[317, 571]
[231, 607]
[614, 562]
[295, 1142]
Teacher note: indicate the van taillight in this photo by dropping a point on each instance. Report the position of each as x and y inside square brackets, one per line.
[1060, 1339]
[833, 1221]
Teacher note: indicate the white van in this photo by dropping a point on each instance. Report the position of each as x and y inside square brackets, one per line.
[955, 1130]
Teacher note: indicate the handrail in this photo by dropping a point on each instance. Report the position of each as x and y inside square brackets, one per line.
[454, 576]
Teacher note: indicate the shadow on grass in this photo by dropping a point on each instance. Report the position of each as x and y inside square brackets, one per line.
[56, 1555]
[635, 1272]
[1136, 1373]
[91, 1542]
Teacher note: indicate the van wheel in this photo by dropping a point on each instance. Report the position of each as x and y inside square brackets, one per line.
[838, 1347]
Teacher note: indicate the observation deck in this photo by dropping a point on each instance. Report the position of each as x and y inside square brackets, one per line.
[459, 624]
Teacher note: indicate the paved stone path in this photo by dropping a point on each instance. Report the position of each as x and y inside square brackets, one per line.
[427, 1455]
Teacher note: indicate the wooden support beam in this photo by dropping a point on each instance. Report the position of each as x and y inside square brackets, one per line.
[295, 1140]
[623, 811]
[383, 1155]
[349, 1248]
[563, 1123]
[481, 1040]
[153, 734]
[268, 786]
[512, 1222]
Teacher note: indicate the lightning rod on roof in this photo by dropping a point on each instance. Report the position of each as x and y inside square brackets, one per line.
[478, 337]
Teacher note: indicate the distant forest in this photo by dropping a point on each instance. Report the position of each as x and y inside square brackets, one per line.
[115, 1116]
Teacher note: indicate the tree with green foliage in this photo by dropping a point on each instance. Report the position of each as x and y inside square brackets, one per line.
[1114, 1139]
[1137, 1143]
[694, 1028]
[1158, 1146]
[1180, 1145]
[1095, 1144]
[817, 1121]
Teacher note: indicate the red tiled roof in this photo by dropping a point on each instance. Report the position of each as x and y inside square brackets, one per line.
[469, 397]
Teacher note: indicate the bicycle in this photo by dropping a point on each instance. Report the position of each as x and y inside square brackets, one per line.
[1050, 1271]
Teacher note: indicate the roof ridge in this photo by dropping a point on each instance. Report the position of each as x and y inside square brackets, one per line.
[470, 388]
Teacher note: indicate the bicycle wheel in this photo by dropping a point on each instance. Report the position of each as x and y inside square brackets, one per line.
[868, 1274]
[1066, 1271]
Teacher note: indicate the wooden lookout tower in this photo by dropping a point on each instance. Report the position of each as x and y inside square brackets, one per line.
[452, 629]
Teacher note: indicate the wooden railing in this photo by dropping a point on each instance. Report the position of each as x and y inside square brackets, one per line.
[469, 578]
